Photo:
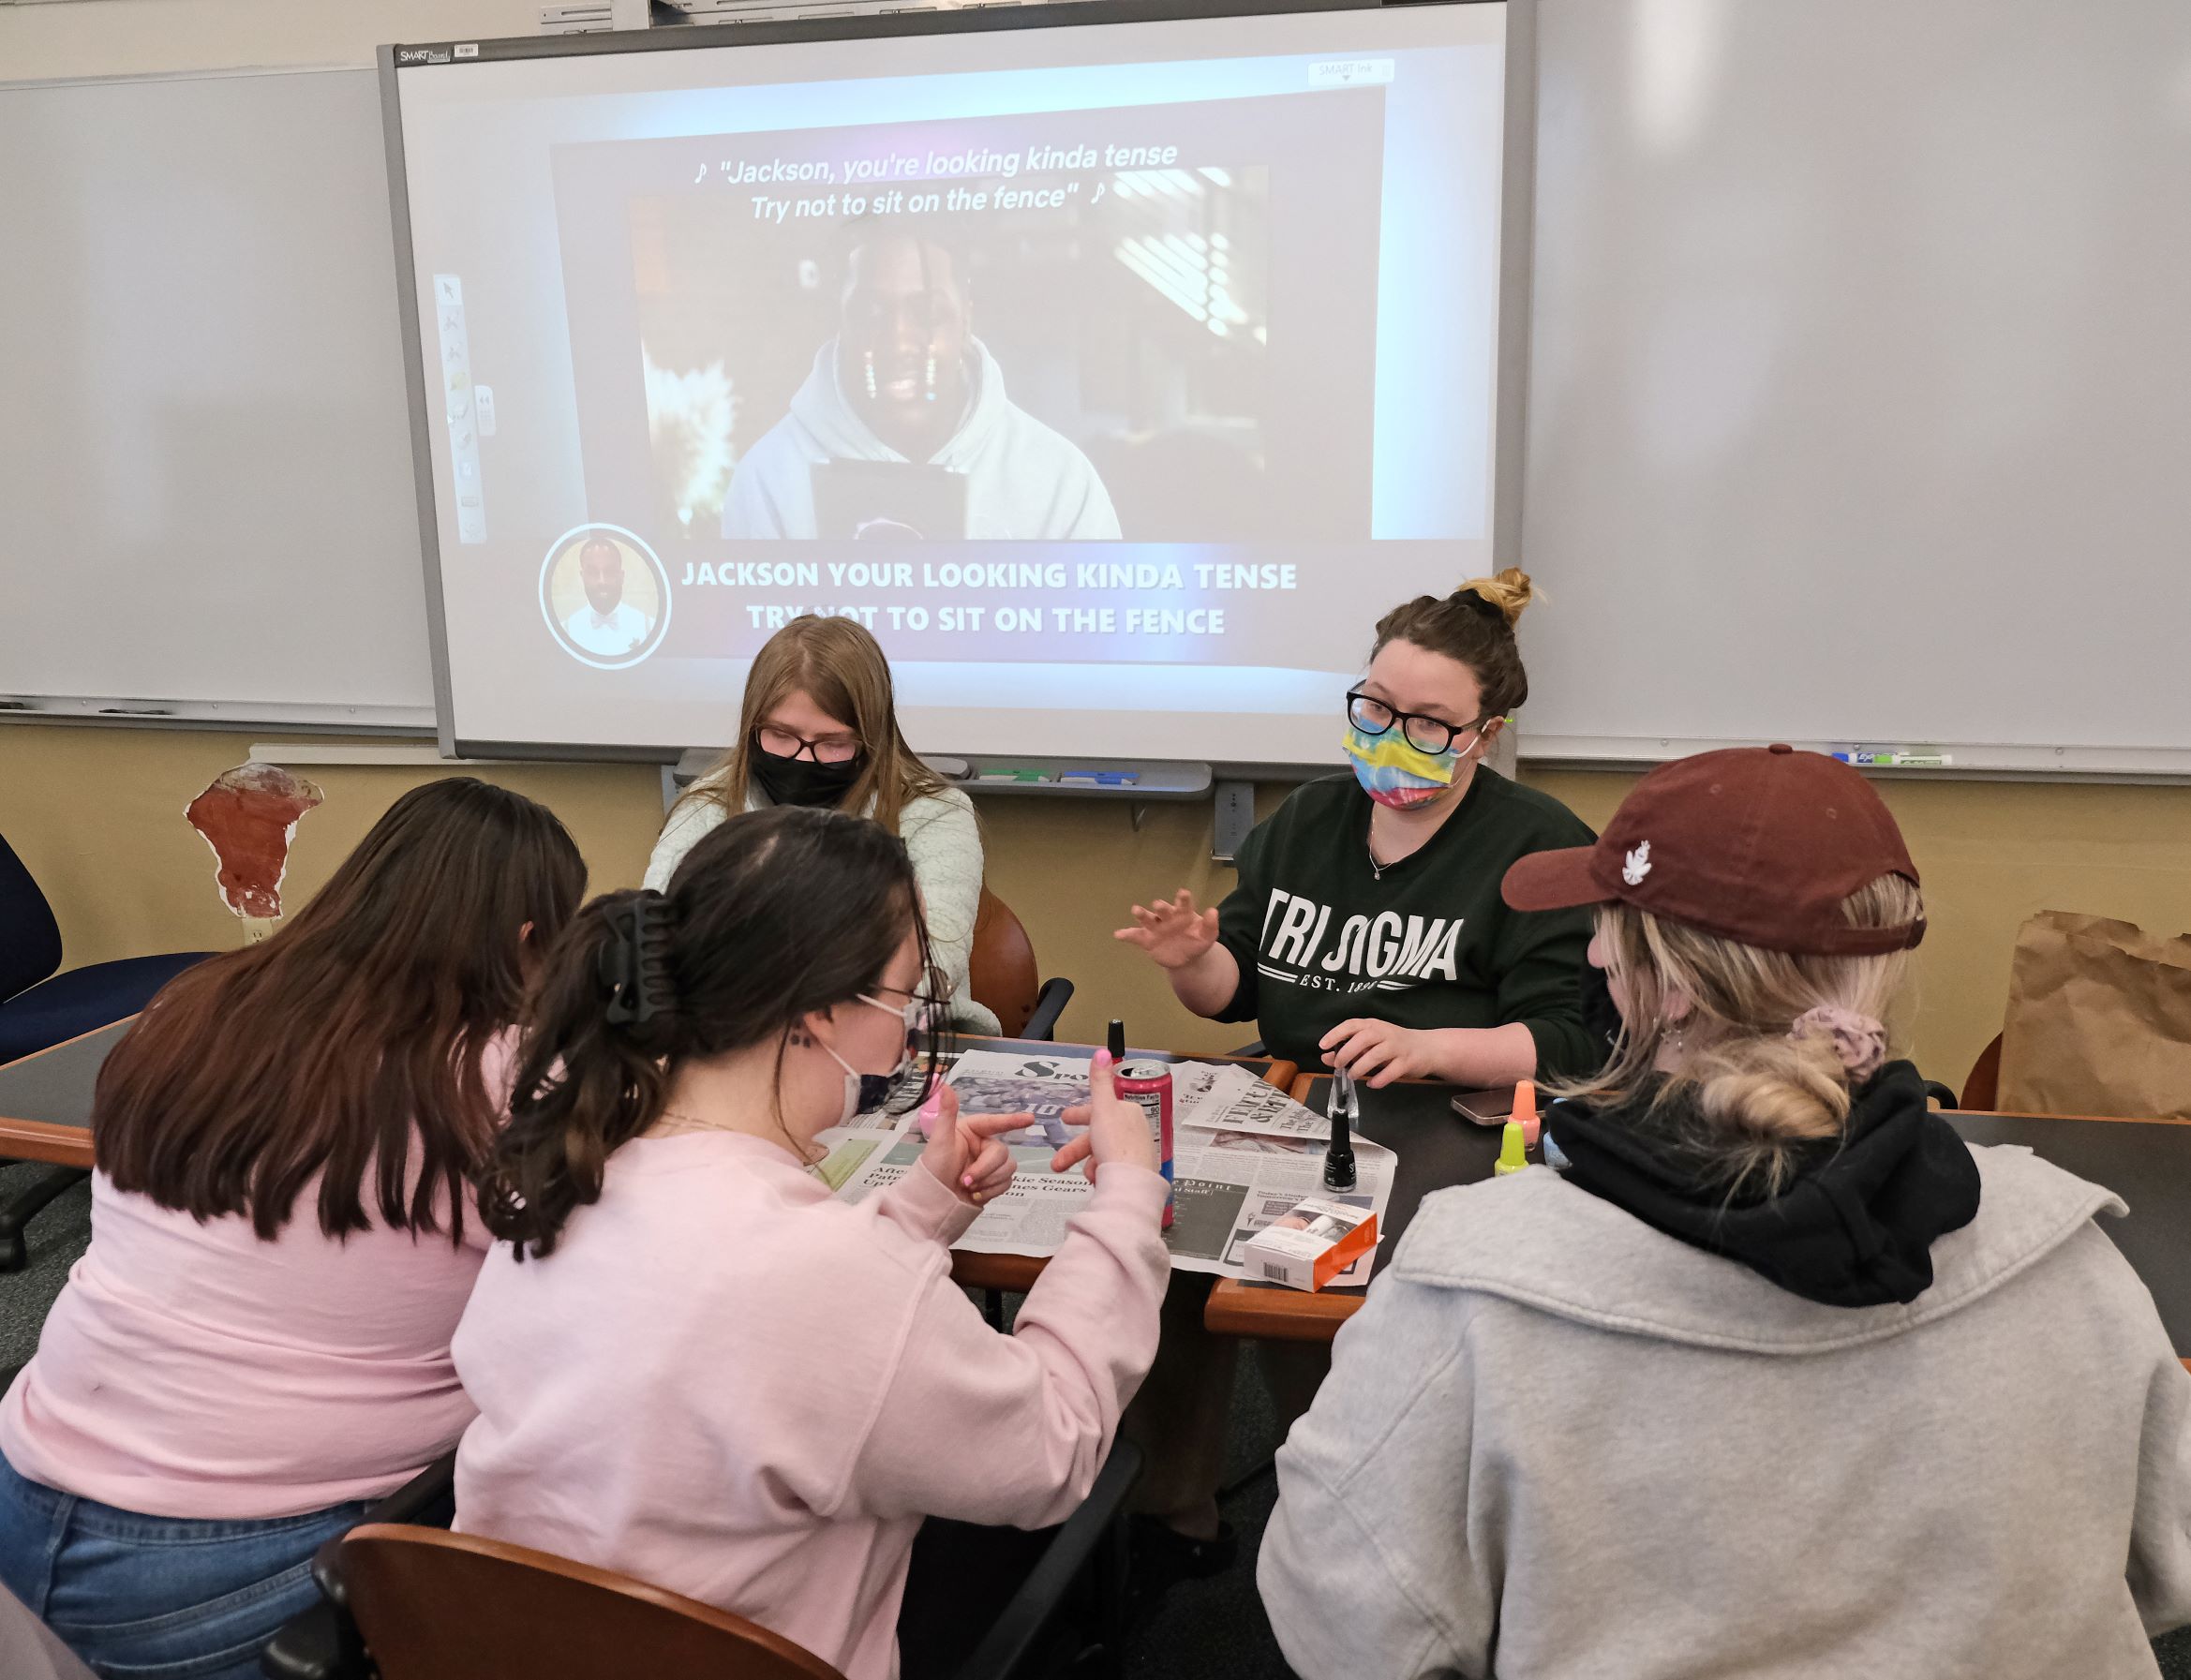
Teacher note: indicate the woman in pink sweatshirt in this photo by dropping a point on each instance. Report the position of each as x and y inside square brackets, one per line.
[695, 1365]
[257, 1344]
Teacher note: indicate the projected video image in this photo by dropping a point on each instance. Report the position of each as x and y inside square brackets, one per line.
[937, 368]
[1012, 329]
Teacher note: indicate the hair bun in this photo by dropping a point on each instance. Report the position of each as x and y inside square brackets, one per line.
[1505, 594]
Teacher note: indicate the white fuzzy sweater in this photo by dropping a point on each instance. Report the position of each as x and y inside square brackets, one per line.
[945, 843]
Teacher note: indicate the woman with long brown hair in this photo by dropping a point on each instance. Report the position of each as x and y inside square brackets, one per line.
[819, 727]
[696, 1365]
[257, 1344]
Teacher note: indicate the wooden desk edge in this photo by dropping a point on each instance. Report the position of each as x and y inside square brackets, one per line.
[41, 1140]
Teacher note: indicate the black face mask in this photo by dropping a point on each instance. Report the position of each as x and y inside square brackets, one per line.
[802, 781]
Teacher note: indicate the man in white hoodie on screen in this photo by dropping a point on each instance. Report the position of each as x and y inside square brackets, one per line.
[905, 381]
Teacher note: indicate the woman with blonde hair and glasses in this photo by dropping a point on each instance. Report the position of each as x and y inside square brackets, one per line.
[819, 727]
[1772, 1375]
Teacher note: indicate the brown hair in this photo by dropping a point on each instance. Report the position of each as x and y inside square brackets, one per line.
[353, 1035]
[773, 915]
[841, 667]
[1756, 1091]
[1475, 625]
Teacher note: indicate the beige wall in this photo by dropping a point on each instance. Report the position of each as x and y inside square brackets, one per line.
[97, 814]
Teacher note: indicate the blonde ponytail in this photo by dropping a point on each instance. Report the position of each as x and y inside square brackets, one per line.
[1757, 1093]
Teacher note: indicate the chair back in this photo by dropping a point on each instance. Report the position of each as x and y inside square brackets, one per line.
[1003, 976]
[1981, 1088]
[30, 938]
[431, 1605]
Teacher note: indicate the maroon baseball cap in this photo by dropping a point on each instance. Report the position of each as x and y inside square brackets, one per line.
[1759, 844]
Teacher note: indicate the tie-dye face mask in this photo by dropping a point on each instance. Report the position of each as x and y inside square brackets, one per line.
[1393, 772]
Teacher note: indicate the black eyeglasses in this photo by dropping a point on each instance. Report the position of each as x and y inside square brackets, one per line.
[1433, 736]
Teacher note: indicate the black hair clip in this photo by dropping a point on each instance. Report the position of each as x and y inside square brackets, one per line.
[635, 964]
[1482, 603]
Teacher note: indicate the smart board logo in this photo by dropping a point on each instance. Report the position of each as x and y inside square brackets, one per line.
[422, 55]
[1350, 72]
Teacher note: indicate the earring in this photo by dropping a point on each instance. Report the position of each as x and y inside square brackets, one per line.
[871, 391]
[932, 377]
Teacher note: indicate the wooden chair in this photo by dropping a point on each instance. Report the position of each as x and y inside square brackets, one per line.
[439, 1606]
[1004, 979]
[409, 1604]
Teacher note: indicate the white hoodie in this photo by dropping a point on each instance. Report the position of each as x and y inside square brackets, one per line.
[1022, 480]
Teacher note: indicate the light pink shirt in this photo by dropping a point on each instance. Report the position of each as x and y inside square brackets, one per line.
[190, 1370]
[730, 1385]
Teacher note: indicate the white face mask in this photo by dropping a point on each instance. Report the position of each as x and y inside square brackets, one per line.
[865, 1092]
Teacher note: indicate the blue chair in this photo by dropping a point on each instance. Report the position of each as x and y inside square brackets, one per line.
[40, 1008]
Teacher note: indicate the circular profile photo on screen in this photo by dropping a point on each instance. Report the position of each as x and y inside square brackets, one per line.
[604, 595]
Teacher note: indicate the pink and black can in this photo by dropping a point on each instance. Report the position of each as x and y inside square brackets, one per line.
[1149, 1083]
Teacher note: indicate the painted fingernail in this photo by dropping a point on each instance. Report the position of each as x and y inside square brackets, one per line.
[1102, 1058]
[967, 1180]
[933, 1107]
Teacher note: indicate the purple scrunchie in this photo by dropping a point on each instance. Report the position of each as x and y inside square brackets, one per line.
[1858, 1041]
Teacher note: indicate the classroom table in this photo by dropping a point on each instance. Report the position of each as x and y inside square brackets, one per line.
[2146, 1162]
[45, 1115]
[45, 1099]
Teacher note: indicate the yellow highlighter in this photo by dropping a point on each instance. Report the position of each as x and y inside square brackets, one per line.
[1514, 1149]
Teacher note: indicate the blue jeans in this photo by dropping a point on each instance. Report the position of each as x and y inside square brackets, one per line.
[158, 1598]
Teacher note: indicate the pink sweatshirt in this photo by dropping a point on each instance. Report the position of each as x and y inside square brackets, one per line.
[191, 1370]
[730, 1385]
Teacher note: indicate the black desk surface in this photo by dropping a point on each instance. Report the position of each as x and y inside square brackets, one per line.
[2146, 1162]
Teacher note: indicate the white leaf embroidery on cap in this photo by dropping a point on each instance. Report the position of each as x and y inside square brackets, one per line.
[1638, 864]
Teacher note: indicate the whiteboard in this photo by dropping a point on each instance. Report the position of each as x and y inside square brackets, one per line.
[206, 499]
[1860, 379]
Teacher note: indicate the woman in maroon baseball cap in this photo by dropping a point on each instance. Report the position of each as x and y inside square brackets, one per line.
[1774, 1375]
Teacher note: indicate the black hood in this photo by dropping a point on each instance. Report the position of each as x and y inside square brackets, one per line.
[1854, 1227]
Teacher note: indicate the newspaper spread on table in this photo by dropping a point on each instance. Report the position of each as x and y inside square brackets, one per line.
[1243, 1152]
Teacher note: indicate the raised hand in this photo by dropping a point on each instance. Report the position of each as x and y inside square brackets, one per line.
[1173, 930]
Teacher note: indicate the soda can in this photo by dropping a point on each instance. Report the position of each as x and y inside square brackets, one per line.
[1149, 1083]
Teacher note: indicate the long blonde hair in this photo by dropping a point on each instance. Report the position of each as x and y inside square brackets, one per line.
[1752, 1093]
[841, 669]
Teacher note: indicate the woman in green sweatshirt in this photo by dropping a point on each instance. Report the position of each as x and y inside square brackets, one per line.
[1367, 931]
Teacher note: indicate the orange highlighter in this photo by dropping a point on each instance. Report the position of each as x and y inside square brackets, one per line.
[1524, 1112]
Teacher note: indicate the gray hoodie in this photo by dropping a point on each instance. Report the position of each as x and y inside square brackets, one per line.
[1557, 1443]
[1023, 478]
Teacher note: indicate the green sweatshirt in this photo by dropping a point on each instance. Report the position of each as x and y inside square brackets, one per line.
[1320, 939]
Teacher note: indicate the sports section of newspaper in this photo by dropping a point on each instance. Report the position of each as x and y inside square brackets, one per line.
[1243, 1152]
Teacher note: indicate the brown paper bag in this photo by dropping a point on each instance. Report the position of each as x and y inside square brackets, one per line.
[2099, 1020]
